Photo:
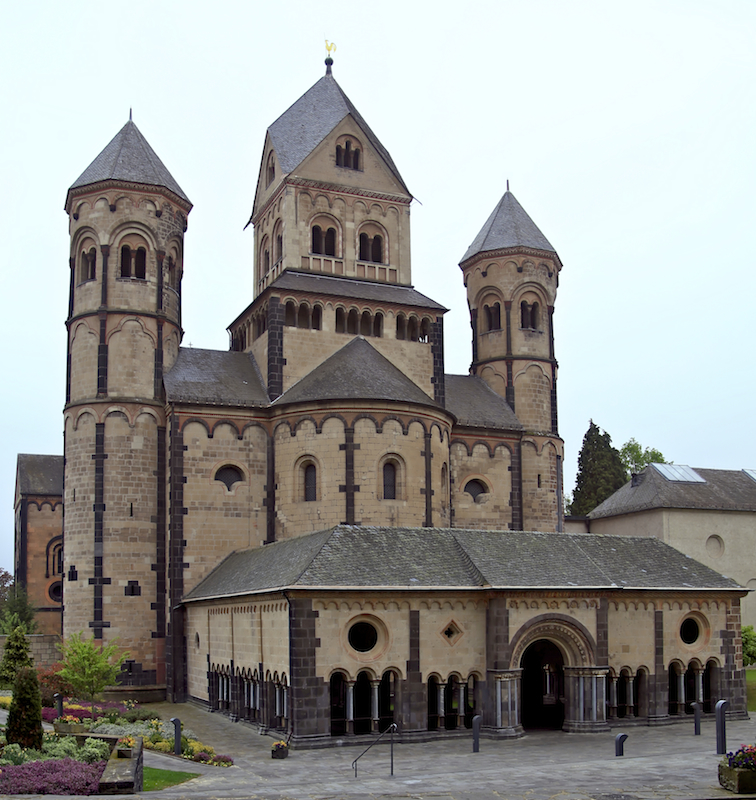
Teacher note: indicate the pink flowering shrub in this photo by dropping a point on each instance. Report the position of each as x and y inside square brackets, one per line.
[63, 776]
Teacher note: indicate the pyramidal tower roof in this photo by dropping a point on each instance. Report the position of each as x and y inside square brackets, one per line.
[129, 158]
[304, 125]
[509, 226]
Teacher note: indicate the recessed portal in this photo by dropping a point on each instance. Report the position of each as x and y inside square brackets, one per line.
[542, 686]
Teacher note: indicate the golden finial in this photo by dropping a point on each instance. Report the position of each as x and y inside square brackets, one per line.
[330, 46]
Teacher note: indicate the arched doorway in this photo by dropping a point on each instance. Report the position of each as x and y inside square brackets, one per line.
[338, 704]
[432, 703]
[363, 719]
[542, 686]
[386, 700]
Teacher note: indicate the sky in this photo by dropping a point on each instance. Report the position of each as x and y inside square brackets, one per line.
[626, 132]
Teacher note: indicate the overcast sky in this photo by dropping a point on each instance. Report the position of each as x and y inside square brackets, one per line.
[626, 131]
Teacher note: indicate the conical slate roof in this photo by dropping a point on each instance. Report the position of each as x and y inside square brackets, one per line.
[508, 226]
[356, 372]
[129, 158]
[300, 129]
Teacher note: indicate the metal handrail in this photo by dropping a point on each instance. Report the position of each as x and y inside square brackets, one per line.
[391, 728]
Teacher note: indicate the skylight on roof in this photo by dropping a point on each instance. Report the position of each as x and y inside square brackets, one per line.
[679, 473]
[751, 473]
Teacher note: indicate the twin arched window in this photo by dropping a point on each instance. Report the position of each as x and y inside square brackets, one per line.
[475, 488]
[529, 317]
[411, 329]
[87, 264]
[133, 262]
[493, 316]
[371, 248]
[348, 155]
[323, 242]
[303, 316]
[270, 169]
[229, 475]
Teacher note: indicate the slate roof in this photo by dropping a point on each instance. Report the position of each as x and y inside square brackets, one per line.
[215, 377]
[428, 558]
[356, 372]
[354, 288]
[508, 226]
[40, 474]
[129, 158]
[476, 405]
[303, 126]
[724, 490]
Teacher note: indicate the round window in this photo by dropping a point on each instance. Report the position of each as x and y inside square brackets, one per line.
[363, 636]
[56, 592]
[475, 488]
[689, 631]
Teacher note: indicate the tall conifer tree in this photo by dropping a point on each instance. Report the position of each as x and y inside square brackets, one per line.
[600, 471]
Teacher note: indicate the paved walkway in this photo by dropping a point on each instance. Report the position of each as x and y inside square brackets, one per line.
[665, 763]
[660, 763]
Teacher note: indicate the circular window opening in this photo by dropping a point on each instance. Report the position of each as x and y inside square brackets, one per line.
[689, 631]
[56, 592]
[475, 488]
[363, 636]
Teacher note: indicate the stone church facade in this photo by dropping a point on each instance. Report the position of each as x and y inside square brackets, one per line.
[319, 531]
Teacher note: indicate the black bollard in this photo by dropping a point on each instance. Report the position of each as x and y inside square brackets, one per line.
[696, 718]
[619, 744]
[476, 733]
[719, 712]
[176, 735]
[59, 703]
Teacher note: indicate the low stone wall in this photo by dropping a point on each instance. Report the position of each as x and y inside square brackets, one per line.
[44, 648]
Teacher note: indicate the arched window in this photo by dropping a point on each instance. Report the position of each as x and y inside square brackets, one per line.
[389, 480]
[412, 333]
[401, 327]
[340, 320]
[356, 159]
[229, 475]
[290, 314]
[125, 261]
[534, 316]
[378, 324]
[339, 156]
[364, 247]
[444, 486]
[366, 324]
[87, 265]
[353, 321]
[310, 482]
[425, 331]
[529, 316]
[330, 242]
[266, 260]
[171, 272]
[271, 169]
[347, 153]
[317, 240]
[303, 318]
[475, 488]
[140, 263]
[376, 250]
[317, 318]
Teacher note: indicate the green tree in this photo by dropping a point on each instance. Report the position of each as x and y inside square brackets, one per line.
[15, 655]
[89, 667]
[749, 645]
[16, 610]
[600, 471]
[25, 714]
[635, 457]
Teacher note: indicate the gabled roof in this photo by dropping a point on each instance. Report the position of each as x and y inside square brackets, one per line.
[356, 372]
[722, 490]
[476, 405]
[303, 126]
[129, 158]
[509, 226]
[215, 377]
[39, 474]
[429, 558]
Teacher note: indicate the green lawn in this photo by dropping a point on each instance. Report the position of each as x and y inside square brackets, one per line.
[156, 779]
[751, 688]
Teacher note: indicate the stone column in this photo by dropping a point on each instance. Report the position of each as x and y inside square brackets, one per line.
[613, 697]
[506, 716]
[461, 708]
[699, 686]
[441, 689]
[374, 686]
[630, 695]
[350, 708]
[681, 693]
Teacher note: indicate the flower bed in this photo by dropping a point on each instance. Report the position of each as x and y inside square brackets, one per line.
[59, 776]
[737, 770]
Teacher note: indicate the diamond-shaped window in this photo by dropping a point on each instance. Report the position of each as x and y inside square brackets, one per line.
[451, 633]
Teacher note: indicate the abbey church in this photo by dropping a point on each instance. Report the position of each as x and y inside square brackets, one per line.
[319, 531]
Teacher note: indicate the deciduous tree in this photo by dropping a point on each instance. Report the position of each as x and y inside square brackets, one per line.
[89, 667]
[635, 457]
